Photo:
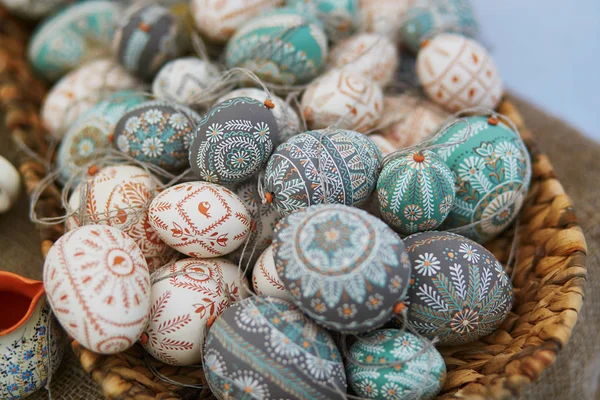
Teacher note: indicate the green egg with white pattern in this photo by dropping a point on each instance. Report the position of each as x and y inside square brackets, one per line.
[493, 171]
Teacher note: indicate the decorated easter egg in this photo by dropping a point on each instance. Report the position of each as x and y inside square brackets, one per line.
[98, 285]
[410, 119]
[459, 292]
[186, 296]
[345, 99]
[493, 171]
[148, 37]
[339, 17]
[233, 141]
[283, 47]
[265, 348]
[343, 267]
[185, 80]
[10, 185]
[264, 219]
[265, 279]
[458, 73]
[200, 219]
[32, 8]
[339, 167]
[395, 364]
[370, 55]
[383, 16]
[89, 138]
[78, 34]
[287, 118]
[415, 191]
[158, 133]
[119, 196]
[80, 90]
[430, 18]
[219, 20]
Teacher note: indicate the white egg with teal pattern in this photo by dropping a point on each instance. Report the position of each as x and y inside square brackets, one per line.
[493, 170]
[393, 364]
[282, 47]
[75, 35]
[337, 167]
[430, 18]
[90, 137]
[339, 17]
[415, 191]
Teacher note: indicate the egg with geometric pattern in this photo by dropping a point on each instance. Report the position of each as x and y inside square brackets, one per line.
[394, 364]
[339, 17]
[493, 172]
[265, 348]
[458, 73]
[459, 292]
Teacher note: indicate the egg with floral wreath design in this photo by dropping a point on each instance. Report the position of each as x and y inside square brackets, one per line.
[265, 348]
[344, 268]
[395, 364]
[158, 133]
[233, 141]
[493, 170]
[459, 292]
[415, 191]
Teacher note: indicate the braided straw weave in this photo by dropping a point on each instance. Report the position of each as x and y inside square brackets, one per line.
[548, 281]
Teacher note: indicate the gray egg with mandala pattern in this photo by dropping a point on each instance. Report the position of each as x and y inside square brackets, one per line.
[233, 141]
[265, 348]
[341, 165]
[459, 291]
[157, 132]
[344, 268]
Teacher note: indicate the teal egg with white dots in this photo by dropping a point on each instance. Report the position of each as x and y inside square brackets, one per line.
[90, 136]
[415, 191]
[339, 17]
[284, 47]
[392, 364]
[427, 20]
[75, 35]
[158, 133]
[493, 171]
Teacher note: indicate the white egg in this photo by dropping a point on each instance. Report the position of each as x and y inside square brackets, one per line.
[370, 55]
[185, 80]
[457, 73]
[344, 98]
[265, 278]
[119, 196]
[200, 219]
[287, 119]
[81, 89]
[383, 16]
[10, 183]
[218, 20]
[98, 285]
[187, 296]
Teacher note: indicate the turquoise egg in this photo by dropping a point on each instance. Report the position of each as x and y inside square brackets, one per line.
[157, 132]
[415, 192]
[493, 171]
[449, 16]
[395, 364]
[283, 47]
[78, 33]
[90, 135]
[339, 17]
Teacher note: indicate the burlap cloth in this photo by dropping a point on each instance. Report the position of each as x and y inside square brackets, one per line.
[576, 160]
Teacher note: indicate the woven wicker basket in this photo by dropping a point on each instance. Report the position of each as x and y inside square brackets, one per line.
[548, 281]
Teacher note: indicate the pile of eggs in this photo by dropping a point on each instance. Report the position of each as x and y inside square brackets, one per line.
[315, 239]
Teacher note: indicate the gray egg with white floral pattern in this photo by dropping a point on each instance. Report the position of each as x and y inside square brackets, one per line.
[459, 292]
[265, 348]
[233, 141]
